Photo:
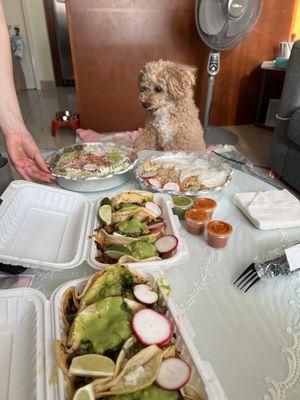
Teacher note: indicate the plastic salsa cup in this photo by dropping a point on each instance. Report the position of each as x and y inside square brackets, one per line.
[196, 220]
[206, 204]
[218, 233]
[181, 204]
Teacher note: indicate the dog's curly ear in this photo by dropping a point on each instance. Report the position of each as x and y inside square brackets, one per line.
[180, 80]
[141, 75]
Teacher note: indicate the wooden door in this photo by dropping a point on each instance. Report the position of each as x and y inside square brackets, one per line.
[112, 39]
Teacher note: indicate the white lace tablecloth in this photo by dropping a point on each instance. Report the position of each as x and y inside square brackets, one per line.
[252, 340]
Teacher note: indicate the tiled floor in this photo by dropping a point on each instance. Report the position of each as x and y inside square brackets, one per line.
[39, 108]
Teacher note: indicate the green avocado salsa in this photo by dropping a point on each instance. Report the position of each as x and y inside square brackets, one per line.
[104, 325]
[142, 249]
[134, 227]
[150, 393]
[111, 283]
[181, 205]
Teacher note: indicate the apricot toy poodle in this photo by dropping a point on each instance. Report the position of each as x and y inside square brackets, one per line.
[166, 91]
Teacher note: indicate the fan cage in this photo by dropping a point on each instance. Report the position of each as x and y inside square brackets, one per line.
[220, 41]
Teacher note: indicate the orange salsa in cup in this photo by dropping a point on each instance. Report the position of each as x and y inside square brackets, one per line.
[206, 204]
[218, 233]
[196, 220]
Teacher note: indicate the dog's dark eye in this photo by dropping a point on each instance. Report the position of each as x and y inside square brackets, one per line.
[158, 89]
[143, 89]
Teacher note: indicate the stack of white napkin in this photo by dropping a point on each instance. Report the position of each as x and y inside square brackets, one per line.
[275, 209]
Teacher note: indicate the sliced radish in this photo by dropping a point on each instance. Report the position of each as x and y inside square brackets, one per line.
[157, 226]
[151, 327]
[155, 183]
[172, 186]
[154, 208]
[144, 294]
[148, 175]
[173, 374]
[171, 335]
[166, 244]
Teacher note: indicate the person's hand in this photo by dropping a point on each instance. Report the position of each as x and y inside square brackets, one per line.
[25, 156]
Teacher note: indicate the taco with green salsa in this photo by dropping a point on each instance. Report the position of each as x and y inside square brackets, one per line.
[103, 321]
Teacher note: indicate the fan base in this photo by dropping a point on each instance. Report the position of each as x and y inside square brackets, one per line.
[217, 135]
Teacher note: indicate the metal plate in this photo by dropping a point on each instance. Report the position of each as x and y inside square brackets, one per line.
[92, 183]
[212, 160]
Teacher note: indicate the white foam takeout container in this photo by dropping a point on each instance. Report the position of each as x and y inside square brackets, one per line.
[29, 324]
[51, 228]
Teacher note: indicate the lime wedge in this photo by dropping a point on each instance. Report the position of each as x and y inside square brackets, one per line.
[115, 251]
[104, 214]
[105, 202]
[92, 365]
[85, 393]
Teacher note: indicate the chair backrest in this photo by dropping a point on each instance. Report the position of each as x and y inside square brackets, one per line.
[290, 98]
[285, 134]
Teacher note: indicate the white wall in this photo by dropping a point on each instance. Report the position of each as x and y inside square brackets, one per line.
[14, 16]
[38, 36]
[30, 15]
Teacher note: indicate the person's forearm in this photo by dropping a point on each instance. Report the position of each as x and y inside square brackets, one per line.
[11, 120]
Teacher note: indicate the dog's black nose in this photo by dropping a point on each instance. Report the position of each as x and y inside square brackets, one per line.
[145, 104]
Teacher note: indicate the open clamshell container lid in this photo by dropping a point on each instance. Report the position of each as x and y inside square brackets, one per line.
[26, 342]
[49, 228]
[29, 325]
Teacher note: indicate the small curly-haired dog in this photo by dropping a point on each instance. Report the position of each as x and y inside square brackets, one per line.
[166, 91]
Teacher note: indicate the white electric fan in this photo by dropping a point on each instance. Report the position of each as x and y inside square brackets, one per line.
[222, 24]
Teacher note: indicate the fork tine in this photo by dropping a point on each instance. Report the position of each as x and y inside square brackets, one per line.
[253, 283]
[245, 272]
[249, 275]
[253, 276]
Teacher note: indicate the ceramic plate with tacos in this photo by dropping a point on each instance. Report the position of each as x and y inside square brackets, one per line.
[132, 228]
[118, 341]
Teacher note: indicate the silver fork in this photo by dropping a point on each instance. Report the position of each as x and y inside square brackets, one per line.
[247, 279]
[257, 271]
